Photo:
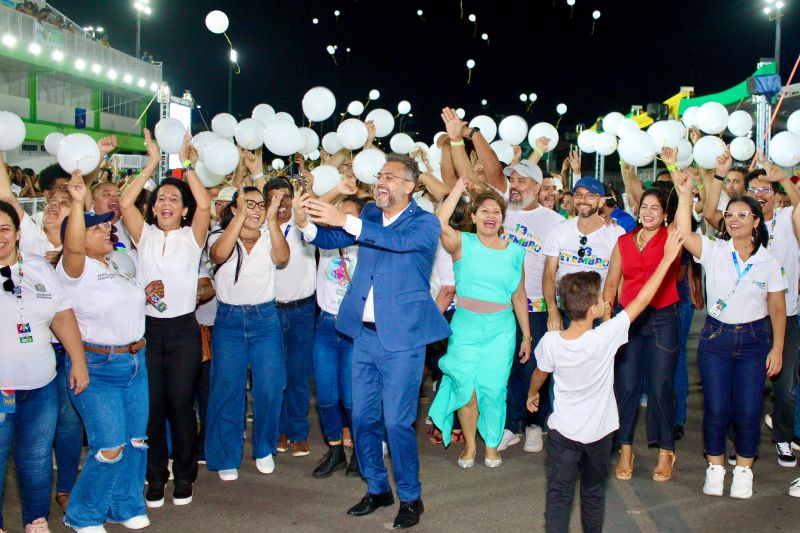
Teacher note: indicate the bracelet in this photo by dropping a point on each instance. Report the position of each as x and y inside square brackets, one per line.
[718, 177]
[457, 143]
[107, 157]
[700, 186]
[187, 163]
[258, 176]
[672, 167]
[472, 132]
[527, 338]
[621, 163]
[188, 167]
[538, 150]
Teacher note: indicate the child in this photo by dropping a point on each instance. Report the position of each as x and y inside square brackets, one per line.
[585, 412]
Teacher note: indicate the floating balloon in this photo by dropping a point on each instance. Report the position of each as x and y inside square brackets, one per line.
[484, 102]
[784, 149]
[319, 104]
[384, 121]
[712, 118]
[331, 143]
[605, 143]
[283, 138]
[221, 157]
[627, 126]
[374, 94]
[470, 63]
[707, 150]
[207, 178]
[637, 148]
[677, 128]
[404, 107]
[401, 143]
[742, 148]
[249, 134]
[326, 178]
[224, 125]
[277, 164]
[793, 123]
[352, 133]
[78, 151]
[355, 108]
[685, 156]
[367, 164]
[532, 97]
[504, 151]
[264, 113]
[740, 123]
[523, 97]
[513, 129]
[460, 113]
[313, 156]
[169, 134]
[310, 140]
[217, 22]
[611, 121]
[544, 129]
[561, 109]
[437, 135]
[165, 122]
[203, 139]
[487, 126]
[690, 117]
[586, 141]
[663, 135]
[52, 141]
[284, 116]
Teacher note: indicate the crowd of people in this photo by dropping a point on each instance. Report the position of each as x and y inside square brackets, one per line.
[545, 306]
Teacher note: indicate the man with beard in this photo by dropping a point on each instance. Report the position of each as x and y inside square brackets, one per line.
[391, 316]
[548, 192]
[581, 244]
[783, 243]
[528, 224]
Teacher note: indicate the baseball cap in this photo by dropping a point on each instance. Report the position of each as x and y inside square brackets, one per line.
[526, 169]
[590, 184]
[226, 194]
[89, 219]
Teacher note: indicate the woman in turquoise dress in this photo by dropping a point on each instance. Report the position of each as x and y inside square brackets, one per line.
[490, 285]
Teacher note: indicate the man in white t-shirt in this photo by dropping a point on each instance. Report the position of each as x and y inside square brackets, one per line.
[51, 180]
[580, 244]
[527, 224]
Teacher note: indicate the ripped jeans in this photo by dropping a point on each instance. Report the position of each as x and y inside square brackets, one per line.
[114, 408]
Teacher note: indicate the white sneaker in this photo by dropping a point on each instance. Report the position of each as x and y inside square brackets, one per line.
[715, 480]
[509, 439]
[137, 522]
[533, 439]
[265, 465]
[230, 474]
[794, 488]
[385, 448]
[90, 529]
[39, 526]
[742, 486]
[768, 420]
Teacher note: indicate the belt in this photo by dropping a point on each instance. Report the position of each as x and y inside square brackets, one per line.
[370, 326]
[131, 348]
[296, 303]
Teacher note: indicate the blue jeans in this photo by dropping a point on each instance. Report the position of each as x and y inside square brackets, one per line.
[69, 429]
[519, 381]
[30, 430]
[298, 342]
[244, 336]
[333, 371]
[653, 337]
[681, 383]
[732, 361]
[114, 408]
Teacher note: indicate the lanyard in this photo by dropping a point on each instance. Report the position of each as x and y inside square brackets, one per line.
[741, 274]
[18, 290]
[772, 231]
[286, 231]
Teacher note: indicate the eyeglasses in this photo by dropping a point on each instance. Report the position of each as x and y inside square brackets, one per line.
[736, 215]
[104, 226]
[764, 190]
[252, 204]
[8, 284]
[387, 178]
[581, 196]
[581, 249]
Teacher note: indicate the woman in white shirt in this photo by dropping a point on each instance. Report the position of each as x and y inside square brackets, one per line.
[742, 340]
[247, 333]
[170, 241]
[109, 306]
[32, 304]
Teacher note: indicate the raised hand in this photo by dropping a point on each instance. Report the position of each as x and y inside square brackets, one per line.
[347, 186]
[153, 151]
[272, 210]
[452, 124]
[774, 172]
[76, 187]
[253, 163]
[724, 162]
[300, 217]
[575, 162]
[324, 213]
[241, 203]
[683, 183]
[694, 135]
[674, 244]
[543, 143]
[370, 124]
[300, 162]
[188, 151]
[669, 155]
[107, 144]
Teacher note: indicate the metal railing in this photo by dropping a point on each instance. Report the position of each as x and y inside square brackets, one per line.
[32, 205]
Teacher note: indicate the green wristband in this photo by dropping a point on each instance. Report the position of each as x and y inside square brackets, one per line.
[672, 167]
[538, 150]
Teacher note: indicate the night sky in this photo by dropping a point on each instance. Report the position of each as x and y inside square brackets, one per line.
[640, 52]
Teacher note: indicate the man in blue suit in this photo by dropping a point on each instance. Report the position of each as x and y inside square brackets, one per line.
[389, 313]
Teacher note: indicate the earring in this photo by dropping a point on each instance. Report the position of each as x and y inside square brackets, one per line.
[665, 222]
[754, 235]
[640, 221]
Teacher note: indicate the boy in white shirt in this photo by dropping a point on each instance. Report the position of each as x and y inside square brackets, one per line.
[584, 418]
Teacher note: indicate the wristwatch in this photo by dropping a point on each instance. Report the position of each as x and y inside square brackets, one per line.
[472, 132]
[718, 177]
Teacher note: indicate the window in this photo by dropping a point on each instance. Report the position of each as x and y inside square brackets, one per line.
[14, 83]
[57, 91]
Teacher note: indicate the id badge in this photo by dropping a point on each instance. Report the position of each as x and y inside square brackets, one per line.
[716, 310]
[9, 402]
[24, 332]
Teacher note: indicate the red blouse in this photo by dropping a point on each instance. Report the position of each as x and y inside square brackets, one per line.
[638, 266]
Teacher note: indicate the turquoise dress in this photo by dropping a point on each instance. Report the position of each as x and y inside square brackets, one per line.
[481, 349]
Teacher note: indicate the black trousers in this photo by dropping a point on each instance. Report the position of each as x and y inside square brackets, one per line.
[566, 459]
[173, 367]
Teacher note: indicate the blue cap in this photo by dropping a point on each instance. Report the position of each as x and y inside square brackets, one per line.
[590, 184]
[89, 219]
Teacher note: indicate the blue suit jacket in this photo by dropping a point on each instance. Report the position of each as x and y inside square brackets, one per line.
[396, 261]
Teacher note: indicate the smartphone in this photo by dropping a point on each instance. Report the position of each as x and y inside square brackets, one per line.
[299, 181]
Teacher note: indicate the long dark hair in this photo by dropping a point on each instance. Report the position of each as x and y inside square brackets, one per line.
[9, 210]
[187, 199]
[666, 197]
[760, 235]
[227, 213]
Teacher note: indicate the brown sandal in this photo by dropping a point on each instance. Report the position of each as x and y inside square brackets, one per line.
[664, 473]
[62, 499]
[625, 474]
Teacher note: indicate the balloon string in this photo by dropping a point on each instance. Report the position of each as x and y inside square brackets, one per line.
[469, 76]
[461, 2]
[366, 105]
[592, 27]
[138, 120]
[559, 120]
[334, 60]
[475, 32]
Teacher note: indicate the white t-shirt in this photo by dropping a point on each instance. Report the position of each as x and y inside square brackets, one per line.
[444, 273]
[783, 245]
[749, 301]
[296, 280]
[563, 242]
[584, 409]
[530, 229]
[108, 304]
[206, 312]
[332, 282]
[256, 283]
[30, 365]
[16, 189]
[173, 258]
[32, 238]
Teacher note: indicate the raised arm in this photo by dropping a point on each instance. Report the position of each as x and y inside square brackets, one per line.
[451, 238]
[458, 149]
[106, 145]
[280, 248]
[539, 149]
[202, 213]
[633, 187]
[491, 165]
[370, 124]
[671, 250]
[446, 165]
[683, 218]
[776, 174]
[710, 211]
[74, 258]
[131, 217]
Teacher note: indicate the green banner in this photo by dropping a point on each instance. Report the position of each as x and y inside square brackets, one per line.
[727, 97]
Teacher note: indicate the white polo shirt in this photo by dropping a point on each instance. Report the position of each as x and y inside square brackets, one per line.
[173, 258]
[33, 239]
[749, 301]
[783, 245]
[256, 283]
[297, 279]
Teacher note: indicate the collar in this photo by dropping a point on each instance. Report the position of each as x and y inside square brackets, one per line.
[410, 208]
[759, 257]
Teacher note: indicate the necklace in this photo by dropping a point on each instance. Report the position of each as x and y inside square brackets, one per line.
[641, 243]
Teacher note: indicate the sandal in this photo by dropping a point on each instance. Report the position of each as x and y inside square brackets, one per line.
[435, 437]
[347, 438]
[456, 437]
[62, 499]
[664, 473]
[623, 473]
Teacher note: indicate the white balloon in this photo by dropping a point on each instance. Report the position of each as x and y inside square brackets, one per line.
[793, 123]
[224, 125]
[513, 129]
[355, 108]
[352, 133]
[605, 143]
[712, 118]
[51, 142]
[742, 148]
[207, 178]
[313, 156]
[690, 117]
[221, 157]
[677, 128]
[523, 97]
[487, 126]
[249, 134]
[543, 129]
[283, 138]
[404, 107]
[627, 126]
[421, 145]
[461, 113]
[504, 151]
[326, 178]
[367, 164]
[164, 122]
[374, 94]
[170, 135]
[611, 121]
[707, 150]
[384, 121]
[586, 141]
[277, 164]
[561, 109]
[685, 156]
[12, 131]
[740, 123]
[284, 116]
[310, 140]
[264, 113]
[401, 143]
[784, 149]
[663, 135]
[532, 97]
[217, 22]
[331, 143]
[319, 104]
[637, 148]
[78, 151]
[203, 139]
[470, 63]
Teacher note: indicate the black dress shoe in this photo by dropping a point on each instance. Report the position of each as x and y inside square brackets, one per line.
[352, 469]
[677, 432]
[333, 460]
[408, 515]
[370, 502]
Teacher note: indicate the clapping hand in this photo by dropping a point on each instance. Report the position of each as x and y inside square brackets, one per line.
[324, 213]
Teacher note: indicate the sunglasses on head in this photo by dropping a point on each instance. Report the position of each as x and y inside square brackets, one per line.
[581, 249]
[8, 283]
